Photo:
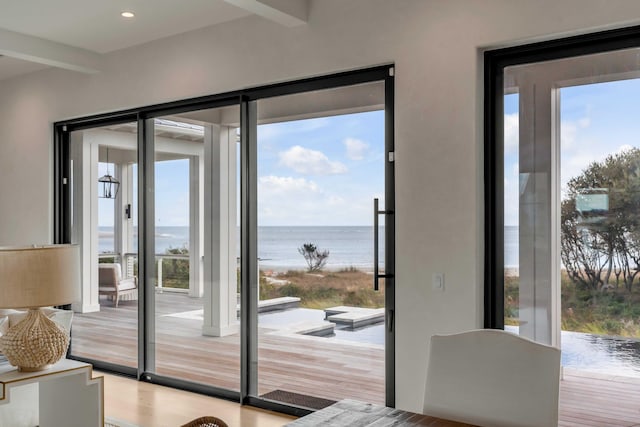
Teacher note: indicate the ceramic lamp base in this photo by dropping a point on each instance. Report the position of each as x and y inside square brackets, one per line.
[35, 343]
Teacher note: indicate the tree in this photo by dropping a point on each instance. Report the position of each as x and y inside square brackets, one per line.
[583, 251]
[598, 241]
[315, 258]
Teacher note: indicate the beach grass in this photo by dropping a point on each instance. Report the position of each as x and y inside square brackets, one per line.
[614, 312]
[324, 289]
[348, 286]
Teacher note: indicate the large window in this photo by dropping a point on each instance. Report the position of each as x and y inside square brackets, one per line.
[562, 207]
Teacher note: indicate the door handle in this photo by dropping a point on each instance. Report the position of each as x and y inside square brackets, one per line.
[376, 274]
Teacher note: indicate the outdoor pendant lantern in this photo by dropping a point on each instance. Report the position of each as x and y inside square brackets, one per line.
[108, 185]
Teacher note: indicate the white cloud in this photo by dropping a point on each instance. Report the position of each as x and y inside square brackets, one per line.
[285, 185]
[336, 201]
[310, 162]
[584, 122]
[356, 149]
[569, 131]
[511, 132]
[285, 200]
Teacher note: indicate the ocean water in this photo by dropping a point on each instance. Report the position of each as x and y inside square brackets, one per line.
[347, 246]
[278, 246]
[166, 237]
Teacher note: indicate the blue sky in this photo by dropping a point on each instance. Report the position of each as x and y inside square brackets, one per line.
[323, 171]
[596, 121]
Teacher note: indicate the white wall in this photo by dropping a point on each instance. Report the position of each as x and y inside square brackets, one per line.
[435, 46]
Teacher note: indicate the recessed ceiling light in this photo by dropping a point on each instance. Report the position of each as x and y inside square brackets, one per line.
[127, 14]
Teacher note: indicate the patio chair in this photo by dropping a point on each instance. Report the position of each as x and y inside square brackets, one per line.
[111, 283]
[493, 378]
[206, 422]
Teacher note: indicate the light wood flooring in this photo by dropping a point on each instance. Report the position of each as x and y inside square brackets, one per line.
[307, 365]
[150, 405]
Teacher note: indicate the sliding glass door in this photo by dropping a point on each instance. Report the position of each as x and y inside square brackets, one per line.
[103, 186]
[321, 323]
[248, 240]
[196, 313]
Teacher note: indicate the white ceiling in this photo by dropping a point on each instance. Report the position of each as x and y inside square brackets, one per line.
[73, 34]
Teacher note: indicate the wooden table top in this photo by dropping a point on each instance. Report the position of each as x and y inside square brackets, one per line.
[353, 413]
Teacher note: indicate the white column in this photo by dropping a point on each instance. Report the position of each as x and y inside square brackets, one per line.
[123, 226]
[128, 177]
[196, 225]
[85, 219]
[124, 173]
[539, 218]
[220, 277]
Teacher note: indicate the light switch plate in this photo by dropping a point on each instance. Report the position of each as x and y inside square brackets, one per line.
[437, 282]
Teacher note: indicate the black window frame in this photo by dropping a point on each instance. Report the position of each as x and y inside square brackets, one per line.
[495, 61]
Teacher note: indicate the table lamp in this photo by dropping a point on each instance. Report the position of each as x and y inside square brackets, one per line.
[34, 277]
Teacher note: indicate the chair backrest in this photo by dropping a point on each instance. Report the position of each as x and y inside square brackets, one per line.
[492, 378]
[109, 274]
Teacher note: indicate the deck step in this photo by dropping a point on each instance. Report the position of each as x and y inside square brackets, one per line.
[317, 329]
[280, 303]
[274, 304]
[354, 317]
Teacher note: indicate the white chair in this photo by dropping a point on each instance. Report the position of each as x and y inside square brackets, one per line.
[111, 283]
[492, 378]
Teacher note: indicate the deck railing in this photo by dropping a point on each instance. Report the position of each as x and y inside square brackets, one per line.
[129, 262]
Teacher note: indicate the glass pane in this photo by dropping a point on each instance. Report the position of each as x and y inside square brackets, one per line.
[105, 323]
[197, 292]
[600, 225]
[571, 179]
[320, 323]
[511, 210]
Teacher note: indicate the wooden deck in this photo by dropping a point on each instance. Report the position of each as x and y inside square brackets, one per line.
[302, 364]
[317, 366]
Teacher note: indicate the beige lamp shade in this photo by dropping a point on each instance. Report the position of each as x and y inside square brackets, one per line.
[39, 276]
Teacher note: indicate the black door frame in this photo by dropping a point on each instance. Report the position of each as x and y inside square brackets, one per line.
[246, 99]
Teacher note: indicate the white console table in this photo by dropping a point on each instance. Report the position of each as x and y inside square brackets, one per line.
[65, 395]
